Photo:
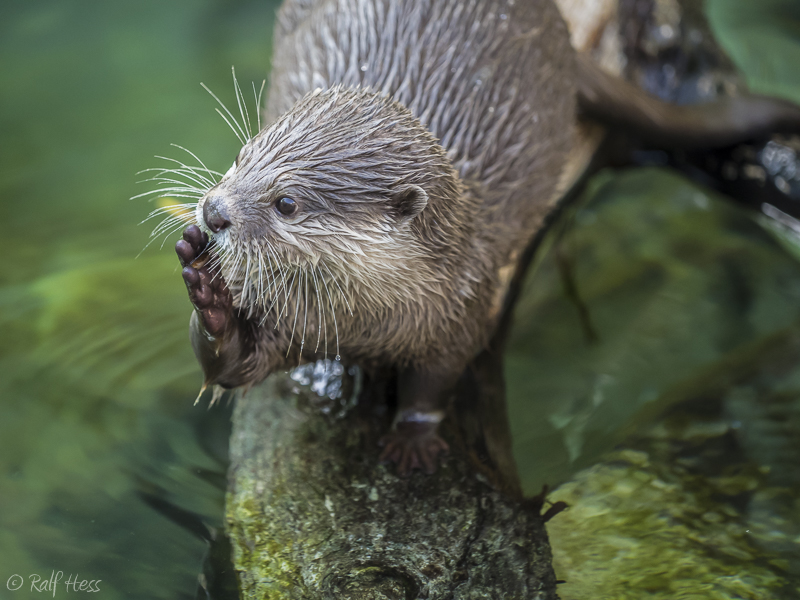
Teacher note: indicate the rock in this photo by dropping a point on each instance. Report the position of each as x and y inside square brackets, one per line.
[311, 513]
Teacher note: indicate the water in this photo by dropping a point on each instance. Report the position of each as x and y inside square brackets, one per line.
[694, 314]
[102, 452]
[97, 377]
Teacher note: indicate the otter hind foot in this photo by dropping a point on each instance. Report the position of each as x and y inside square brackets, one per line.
[413, 445]
[207, 289]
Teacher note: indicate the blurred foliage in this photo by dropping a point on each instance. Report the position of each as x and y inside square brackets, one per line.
[762, 38]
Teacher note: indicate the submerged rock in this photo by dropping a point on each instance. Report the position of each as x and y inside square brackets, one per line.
[702, 504]
[636, 530]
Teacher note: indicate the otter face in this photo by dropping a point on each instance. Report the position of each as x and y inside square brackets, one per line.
[335, 190]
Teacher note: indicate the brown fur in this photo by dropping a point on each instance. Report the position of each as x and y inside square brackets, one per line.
[378, 108]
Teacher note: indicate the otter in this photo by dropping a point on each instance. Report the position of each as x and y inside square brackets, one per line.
[412, 149]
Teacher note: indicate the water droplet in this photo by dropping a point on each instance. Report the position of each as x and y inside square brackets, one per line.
[338, 358]
[364, 67]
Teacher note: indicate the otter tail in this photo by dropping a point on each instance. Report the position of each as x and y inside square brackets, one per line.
[716, 124]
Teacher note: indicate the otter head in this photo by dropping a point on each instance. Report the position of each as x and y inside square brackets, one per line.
[349, 187]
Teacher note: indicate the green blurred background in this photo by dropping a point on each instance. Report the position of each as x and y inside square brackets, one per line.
[97, 378]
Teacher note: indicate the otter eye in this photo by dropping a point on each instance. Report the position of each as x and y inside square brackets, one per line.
[286, 206]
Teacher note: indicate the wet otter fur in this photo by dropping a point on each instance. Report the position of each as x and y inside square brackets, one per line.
[383, 227]
[413, 149]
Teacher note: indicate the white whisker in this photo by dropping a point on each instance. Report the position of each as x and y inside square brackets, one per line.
[240, 133]
[179, 185]
[273, 253]
[242, 140]
[333, 278]
[305, 314]
[177, 192]
[296, 312]
[211, 174]
[242, 105]
[194, 182]
[333, 312]
[245, 300]
[320, 314]
[258, 100]
[181, 210]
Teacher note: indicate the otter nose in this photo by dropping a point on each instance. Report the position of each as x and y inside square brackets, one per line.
[215, 215]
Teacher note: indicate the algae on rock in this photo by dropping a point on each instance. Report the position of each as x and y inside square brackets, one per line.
[311, 513]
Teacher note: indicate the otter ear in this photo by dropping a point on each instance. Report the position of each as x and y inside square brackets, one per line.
[409, 201]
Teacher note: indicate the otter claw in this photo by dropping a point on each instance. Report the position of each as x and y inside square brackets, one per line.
[186, 252]
[195, 237]
[413, 446]
[190, 276]
[214, 319]
[207, 291]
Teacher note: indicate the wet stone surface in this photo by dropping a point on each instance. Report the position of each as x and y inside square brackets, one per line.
[312, 514]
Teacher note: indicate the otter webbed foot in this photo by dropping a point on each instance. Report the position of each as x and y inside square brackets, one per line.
[220, 338]
[414, 441]
[413, 444]
[207, 289]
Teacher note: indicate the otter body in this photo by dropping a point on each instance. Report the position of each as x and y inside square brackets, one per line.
[412, 149]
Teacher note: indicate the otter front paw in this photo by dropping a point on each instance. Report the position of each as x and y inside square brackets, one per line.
[207, 289]
[413, 445]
